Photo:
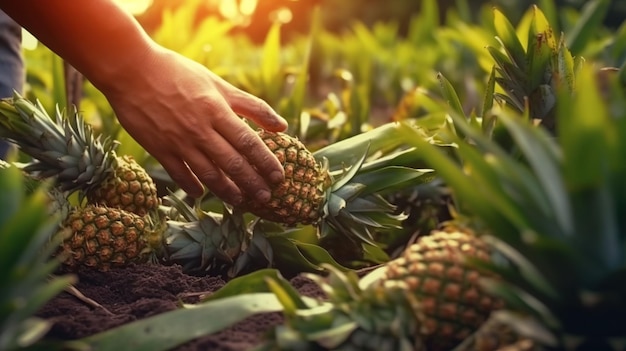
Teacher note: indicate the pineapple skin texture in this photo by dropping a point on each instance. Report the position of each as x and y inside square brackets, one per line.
[102, 237]
[129, 188]
[300, 197]
[452, 305]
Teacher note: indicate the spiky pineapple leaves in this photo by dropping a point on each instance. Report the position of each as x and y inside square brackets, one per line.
[348, 318]
[355, 206]
[529, 72]
[26, 229]
[202, 240]
[307, 324]
[555, 210]
[291, 250]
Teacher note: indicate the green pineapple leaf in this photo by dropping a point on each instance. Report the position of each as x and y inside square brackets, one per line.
[508, 37]
[450, 95]
[170, 329]
[27, 242]
[541, 48]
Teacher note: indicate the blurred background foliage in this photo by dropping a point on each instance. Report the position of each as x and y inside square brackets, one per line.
[335, 68]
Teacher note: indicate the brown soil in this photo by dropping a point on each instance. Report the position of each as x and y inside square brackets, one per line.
[142, 291]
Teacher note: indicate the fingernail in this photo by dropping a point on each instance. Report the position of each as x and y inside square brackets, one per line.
[263, 196]
[277, 177]
[279, 124]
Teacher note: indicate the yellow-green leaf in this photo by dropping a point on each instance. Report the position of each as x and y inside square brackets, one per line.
[508, 36]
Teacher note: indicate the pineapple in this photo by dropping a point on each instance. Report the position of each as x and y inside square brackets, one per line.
[300, 197]
[102, 237]
[429, 299]
[452, 305]
[65, 148]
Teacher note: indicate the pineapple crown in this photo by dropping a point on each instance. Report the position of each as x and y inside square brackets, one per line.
[63, 147]
[355, 205]
[200, 240]
[529, 73]
[379, 317]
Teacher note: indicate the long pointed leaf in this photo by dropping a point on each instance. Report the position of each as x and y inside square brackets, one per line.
[170, 329]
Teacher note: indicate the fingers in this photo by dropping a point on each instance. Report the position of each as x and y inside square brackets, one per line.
[199, 170]
[247, 142]
[255, 109]
[182, 175]
[237, 165]
[210, 174]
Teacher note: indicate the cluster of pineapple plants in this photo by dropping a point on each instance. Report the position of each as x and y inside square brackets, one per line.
[532, 258]
[118, 218]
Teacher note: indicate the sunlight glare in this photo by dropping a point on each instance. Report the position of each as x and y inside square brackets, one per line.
[136, 7]
[247, 7]
[282, 15]
[233, 9]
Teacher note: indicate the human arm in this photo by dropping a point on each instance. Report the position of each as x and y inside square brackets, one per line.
[178, 110]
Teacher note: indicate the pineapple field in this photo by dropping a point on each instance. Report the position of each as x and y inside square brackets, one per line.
[455, 180]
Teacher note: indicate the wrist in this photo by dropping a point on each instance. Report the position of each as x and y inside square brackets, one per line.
[120, 67]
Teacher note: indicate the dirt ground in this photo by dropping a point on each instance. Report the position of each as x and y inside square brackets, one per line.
[141, 291]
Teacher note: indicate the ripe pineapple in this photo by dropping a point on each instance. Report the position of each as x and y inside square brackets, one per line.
[452, 305]
[101, 237]
[429, 299]
[300, 197]
[65, 149]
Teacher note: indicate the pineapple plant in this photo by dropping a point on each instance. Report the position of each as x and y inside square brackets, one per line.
[554, 210]
[352, 317]
[65, 148]
[26, 227]
[319, 190]
[428, 299]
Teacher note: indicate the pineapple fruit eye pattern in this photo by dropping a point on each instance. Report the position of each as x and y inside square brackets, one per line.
[103, 237]
[299, 198]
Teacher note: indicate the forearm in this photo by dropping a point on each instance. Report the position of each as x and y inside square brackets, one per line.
[96, 36]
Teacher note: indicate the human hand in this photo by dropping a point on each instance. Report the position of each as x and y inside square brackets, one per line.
[187, 118]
